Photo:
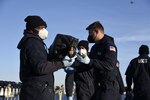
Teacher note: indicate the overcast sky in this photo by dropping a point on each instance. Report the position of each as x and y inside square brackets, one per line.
[128, 23]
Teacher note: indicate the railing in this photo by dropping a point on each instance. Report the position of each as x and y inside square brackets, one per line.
[9, 90]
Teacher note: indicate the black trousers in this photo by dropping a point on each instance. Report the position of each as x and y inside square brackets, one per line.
[36, 91]
[108, 91]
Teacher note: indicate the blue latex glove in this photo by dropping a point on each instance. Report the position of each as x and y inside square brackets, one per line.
[85, 59]
[70, 98]
[68, 61]
[69, 70]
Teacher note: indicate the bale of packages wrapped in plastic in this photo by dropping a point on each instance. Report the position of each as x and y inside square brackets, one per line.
[61, 46]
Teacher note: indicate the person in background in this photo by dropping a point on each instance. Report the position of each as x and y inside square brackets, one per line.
[138, 74]
[36, 72]
[69, 83]
[82, 76]
[103, 58]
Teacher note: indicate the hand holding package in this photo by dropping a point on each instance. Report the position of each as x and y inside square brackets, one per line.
[68, 61]
[85, 60]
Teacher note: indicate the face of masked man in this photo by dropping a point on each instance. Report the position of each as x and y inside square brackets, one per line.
[82, 51]
[92, 36]
[42, 32]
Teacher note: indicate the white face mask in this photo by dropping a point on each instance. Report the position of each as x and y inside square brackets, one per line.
[82, 52]
[43, 34]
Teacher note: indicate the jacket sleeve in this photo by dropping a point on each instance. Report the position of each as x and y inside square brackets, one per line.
[37, 55]
[109, 60]
[129, 77]
[81, 67]
[120, 81]
[69, 82]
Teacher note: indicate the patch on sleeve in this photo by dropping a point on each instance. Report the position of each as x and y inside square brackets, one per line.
[112, 48]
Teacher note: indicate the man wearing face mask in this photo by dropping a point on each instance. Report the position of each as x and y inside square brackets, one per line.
[103, 58]
[82, 76]
[36, 72]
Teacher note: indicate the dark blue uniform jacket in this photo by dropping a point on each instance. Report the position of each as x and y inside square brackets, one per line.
[35, 69]
[84, 79]
[138, 73]
[104, 58]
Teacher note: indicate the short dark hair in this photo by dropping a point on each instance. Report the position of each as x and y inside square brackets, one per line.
[95, 25]
[144, 49]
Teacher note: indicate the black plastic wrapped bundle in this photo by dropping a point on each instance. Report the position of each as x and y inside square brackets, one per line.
[61, 46]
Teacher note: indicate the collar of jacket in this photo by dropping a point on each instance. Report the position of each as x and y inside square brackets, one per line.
[28, 34]
[105, 38]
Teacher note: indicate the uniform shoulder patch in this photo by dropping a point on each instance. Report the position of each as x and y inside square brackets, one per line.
[112, 48]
